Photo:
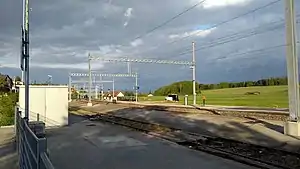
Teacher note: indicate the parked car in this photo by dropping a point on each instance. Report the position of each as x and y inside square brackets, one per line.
[172, 97]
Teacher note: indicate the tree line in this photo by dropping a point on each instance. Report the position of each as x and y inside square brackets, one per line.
[186, 87]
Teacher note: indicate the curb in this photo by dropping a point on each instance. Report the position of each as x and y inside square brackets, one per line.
[11, 126]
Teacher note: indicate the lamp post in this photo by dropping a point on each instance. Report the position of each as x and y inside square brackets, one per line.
[49, 79]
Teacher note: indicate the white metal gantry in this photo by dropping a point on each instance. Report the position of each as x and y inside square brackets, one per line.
[94, 74]
[192, 64]
[102, 75]
[151, 61]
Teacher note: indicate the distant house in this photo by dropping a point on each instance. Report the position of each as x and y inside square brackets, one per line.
[150, 95]
[8, 83]
[117, 94]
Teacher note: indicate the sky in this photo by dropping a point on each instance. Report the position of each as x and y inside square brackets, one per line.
[228, 47]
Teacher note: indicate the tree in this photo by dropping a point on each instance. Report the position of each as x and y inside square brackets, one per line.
[7, 108]
[181, 88]
[186, 87]
[128, 93]
[2, 82]
[18, 79]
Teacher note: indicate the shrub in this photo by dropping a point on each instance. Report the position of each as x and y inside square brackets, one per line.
[7, 108]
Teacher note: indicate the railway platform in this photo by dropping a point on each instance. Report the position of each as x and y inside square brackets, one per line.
[86, 144]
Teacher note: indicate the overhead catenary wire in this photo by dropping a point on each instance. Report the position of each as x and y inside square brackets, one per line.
[234, 39]
[255, 51]
[215, 25]
[269, 27]
[228, 39]
[166, 22]
[170, 20]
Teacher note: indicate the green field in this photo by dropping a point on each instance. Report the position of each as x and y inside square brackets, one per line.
[270, 96]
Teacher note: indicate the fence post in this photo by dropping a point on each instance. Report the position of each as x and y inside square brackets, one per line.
[41, 148]
[38, 117]
[20, 139]
[16, 116]
[17, 129]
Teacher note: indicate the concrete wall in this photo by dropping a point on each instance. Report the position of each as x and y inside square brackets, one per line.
[50, 102]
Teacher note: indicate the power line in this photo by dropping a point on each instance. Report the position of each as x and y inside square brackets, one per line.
[250, 52]
[237, 36]
[170, 20]
[206, 46]
[231, 38]
[166, 22]
[232, 19]
[219, 24]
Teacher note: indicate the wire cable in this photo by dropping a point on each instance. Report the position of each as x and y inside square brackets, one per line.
[231, 38]
[250, 52]
[206, 46]
[166, 22]
[220, 23]
[170, 20]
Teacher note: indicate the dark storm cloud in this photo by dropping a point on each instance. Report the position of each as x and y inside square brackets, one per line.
[63, 32]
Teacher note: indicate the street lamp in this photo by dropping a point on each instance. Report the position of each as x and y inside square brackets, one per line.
[49, 79]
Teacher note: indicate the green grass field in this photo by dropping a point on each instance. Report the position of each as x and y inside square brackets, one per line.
[270, 96]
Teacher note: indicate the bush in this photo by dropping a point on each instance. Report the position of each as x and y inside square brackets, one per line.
[7, 108]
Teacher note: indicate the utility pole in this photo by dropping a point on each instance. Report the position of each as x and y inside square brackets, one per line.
[49, 79]
[292, 60]
[70, 91]
[102, 88]
[22, 77]
[90, 82]
[22, 43]
[292, 127]
[96, 91]
[136, 87]
[128, 67]
[25, 54]
[194, 75]
[94, 81]
[113, 89]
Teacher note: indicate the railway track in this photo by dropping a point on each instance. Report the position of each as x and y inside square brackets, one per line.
[264, 113]
[254, 155]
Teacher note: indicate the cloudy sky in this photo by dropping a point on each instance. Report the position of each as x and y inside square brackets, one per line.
[235, 39]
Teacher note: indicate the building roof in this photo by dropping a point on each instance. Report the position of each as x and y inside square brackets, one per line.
[110, 93]
[9, 82]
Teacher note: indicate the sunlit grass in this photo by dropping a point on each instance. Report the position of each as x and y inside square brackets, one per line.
[270, 96]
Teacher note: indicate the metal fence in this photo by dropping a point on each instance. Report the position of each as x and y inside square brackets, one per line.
[32, 150]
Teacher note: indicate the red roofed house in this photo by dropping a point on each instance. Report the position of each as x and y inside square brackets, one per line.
[108, 95]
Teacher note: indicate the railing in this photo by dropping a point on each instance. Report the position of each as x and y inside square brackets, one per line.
[32, 150]
[34, 116]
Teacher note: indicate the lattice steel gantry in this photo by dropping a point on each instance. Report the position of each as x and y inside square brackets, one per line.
[135, 75]
[192, 64]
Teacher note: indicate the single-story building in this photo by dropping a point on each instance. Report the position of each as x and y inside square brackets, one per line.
[117, 94]
[150, 95]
